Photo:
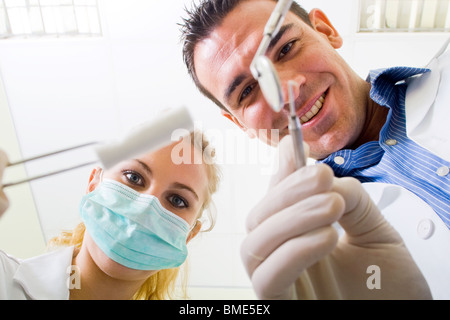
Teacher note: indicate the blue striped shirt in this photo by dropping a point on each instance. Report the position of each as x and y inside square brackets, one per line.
[395, 158]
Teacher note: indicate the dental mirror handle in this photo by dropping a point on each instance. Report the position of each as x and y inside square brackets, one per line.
[261, 67]
[271, 28]
[276, 18]
[6, 185]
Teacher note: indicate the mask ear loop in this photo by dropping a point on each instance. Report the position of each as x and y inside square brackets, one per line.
[101, 175]
[193, 226]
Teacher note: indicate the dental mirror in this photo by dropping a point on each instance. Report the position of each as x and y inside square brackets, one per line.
[269, 82]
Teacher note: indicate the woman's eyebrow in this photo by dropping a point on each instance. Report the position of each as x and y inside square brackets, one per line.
[176, 185]
[179, 185]
[144, 166]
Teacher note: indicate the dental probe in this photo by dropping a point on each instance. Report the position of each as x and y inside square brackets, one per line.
[295, 130]
[149, 136]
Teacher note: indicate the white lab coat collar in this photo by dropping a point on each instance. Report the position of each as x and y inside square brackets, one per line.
[420, 96]
[421, 93]
[45, 277]
[426, 105]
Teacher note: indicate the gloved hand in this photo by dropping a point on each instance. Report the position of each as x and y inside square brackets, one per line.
[4, 202]
[292, 250]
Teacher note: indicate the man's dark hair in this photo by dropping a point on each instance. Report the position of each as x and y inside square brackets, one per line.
[202, 20]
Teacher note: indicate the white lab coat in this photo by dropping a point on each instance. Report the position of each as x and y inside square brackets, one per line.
[45, 277]
[424, 233]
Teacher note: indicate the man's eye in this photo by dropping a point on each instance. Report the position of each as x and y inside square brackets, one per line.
[134, 178]
[178, 202]
[285, 50]
[246, 92]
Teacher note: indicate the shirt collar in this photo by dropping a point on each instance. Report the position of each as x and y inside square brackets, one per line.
[383, 85]
[45, 277]
[383, 82]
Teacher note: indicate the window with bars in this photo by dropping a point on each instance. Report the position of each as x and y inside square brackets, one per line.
[404, 16]
[40, 18]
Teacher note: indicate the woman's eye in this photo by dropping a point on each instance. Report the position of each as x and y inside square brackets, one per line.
[178, 202]
[285, 50]
[134, 178]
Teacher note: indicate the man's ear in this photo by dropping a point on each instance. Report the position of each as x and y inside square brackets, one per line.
[94, 179]
[235, 120]
[194, 231]
[321, 24]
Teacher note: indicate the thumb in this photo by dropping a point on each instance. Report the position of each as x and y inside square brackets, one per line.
[362, 220]
[286, 160]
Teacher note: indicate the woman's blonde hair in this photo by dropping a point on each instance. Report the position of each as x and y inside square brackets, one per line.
[161, 285]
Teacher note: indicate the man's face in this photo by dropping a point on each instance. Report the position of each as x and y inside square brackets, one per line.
[300, 53]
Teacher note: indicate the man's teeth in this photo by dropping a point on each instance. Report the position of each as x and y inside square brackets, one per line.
[314, 110]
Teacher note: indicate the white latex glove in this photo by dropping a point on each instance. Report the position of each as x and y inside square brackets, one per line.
[292, 251]
[4, 202]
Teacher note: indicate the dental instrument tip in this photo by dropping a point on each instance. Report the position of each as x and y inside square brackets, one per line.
[291, 85]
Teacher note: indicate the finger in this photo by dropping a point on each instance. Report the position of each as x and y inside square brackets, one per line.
[286, 161]
[4, 203]
[312, 213]
[3, 162]
[273, 278]
[362, 221]
[301, 184]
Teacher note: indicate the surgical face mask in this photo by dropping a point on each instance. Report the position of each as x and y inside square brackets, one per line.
[134, 229]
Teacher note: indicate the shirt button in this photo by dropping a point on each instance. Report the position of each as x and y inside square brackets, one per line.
[391, 142]
[339, 160]
[443, 171]
[425, 228]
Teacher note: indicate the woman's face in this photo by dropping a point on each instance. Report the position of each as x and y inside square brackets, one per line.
[181, 189]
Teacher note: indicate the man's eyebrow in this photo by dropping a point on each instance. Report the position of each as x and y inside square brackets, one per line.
[241, 77]
[179, 185]
[236, 82]
[279, 34]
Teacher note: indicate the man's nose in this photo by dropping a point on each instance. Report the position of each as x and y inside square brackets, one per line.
[291, 85]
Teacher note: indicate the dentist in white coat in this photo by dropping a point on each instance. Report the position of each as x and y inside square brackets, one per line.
[321, 274]
[356, 127]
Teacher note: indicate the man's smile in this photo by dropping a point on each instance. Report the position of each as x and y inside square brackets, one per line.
[313, 110]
